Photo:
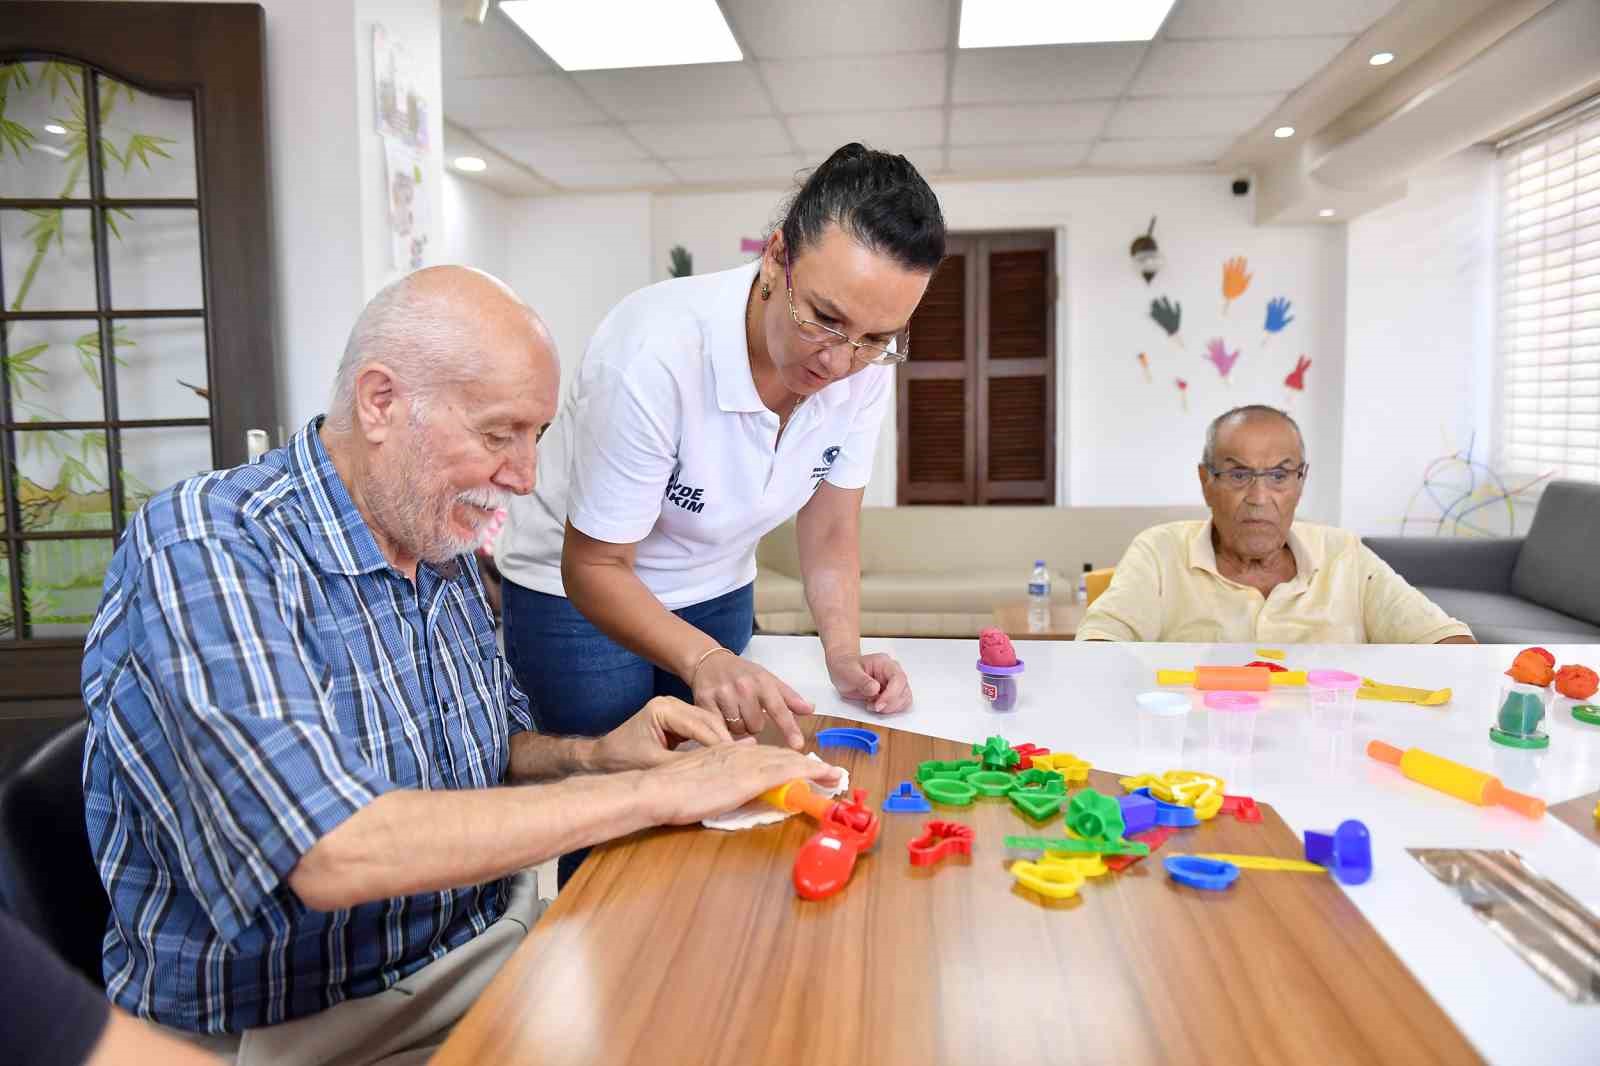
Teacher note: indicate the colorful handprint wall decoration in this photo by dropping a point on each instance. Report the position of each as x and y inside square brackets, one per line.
[1235, 280]
[1169, 316]
[1278, 316]
[1218, 355]
[1144, 364]
[1296, 381]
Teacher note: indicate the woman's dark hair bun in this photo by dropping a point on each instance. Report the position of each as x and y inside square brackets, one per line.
[877, 198]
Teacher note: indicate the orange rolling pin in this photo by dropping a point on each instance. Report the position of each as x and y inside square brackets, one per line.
[1462, 782]
[797, 796]
[1231, 678]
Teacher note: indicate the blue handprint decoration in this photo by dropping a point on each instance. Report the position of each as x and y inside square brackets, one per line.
[1278, 315]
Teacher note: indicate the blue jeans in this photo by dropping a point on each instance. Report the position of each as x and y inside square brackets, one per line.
[582, 683]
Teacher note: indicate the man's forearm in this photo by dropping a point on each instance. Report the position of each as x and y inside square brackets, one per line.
[536, 757]
[414, 841]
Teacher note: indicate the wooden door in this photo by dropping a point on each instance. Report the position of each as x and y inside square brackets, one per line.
[976, 410]
[135, 265]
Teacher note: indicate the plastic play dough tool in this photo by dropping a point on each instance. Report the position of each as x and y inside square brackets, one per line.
[1463, 782]
[845, 830]
[1231, 678]
[1266, 862]
[1422, 697]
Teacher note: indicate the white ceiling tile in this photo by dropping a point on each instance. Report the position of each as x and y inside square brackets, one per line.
[885, 130]
[1017, 157]
[1054, 72]
[1272, 18]
[1189, 116]
[776, 168]
[1021, 124]
[1178, 151]
[601, 175]
[672, 94]
[700, 140]
[861, 83]
[567, 144]
[772, 30]
[1214, 67]
[495, 48]
[537, 101]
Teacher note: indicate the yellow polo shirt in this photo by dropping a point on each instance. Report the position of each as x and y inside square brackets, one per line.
[1167, 588]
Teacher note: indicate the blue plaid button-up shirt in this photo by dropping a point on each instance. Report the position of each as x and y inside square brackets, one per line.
[257, 673]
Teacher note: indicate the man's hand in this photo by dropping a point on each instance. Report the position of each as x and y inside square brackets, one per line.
[647, 739]
[712, 781]
[746, 697]
[876, 680]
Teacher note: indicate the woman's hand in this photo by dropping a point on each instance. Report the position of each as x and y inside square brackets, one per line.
[876, 680]
[747, 696]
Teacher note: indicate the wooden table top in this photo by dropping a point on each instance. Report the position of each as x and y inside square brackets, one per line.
[1578, 812]
[1064, 621]
[690, 945]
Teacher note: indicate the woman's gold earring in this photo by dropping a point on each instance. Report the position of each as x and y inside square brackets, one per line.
[766, 292]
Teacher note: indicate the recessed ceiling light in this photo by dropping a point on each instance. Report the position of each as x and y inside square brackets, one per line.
[59, 131]
[470, 163]
[1283, 132]
[1381, 59]
[1326, 212]
[612, 34]
[1011, 23]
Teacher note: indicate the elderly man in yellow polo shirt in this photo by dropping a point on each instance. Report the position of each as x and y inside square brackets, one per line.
[1252, 573]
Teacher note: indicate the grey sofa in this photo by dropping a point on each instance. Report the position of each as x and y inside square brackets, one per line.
[1541, 588]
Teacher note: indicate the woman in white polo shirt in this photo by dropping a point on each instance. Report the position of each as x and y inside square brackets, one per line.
[707, 411]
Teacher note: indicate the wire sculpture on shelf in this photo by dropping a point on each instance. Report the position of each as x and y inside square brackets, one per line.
[1460, 486]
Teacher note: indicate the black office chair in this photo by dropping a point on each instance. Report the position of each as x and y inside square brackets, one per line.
[48, 879]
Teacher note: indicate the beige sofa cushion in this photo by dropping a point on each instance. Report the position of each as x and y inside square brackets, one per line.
[941, 571]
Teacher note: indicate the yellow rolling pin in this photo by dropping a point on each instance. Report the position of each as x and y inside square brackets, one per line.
[1463, 782]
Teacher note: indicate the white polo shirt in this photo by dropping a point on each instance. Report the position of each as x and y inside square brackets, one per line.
[663, 442]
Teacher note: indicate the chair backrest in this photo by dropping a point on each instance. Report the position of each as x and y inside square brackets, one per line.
[48, 878]
[1095, 582]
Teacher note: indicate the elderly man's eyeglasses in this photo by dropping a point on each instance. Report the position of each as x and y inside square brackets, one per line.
[1278, 478]
[862, 352]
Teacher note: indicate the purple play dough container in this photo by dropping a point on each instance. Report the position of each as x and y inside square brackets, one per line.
[998, 685]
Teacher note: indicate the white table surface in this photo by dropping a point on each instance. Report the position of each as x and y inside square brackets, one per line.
[1080, 698]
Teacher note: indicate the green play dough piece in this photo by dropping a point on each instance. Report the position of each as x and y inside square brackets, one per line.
[1093, 815]
[1521, 714]
[949, 791]
[1036, 805]
[992, 782]
[1587, 712]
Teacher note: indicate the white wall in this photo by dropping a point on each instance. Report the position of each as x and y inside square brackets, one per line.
[573, 257]
[1124, 441]
[474, 229]
[328, 194]
[1421, 340]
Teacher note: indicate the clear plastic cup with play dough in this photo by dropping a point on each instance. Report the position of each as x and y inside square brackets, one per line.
[998, 685]
[1231, 721]
[1332, 694]
[1163, 721]
[1519, 716]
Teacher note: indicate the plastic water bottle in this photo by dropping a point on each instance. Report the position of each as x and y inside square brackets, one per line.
[1083, 583]
[1039, 597]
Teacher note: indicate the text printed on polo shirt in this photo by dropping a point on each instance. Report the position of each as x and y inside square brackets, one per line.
[688, 497]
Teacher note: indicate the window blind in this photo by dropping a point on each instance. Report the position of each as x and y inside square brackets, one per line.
[1549, 323]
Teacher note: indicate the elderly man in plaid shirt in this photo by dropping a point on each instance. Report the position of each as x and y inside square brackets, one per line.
[311, 779]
